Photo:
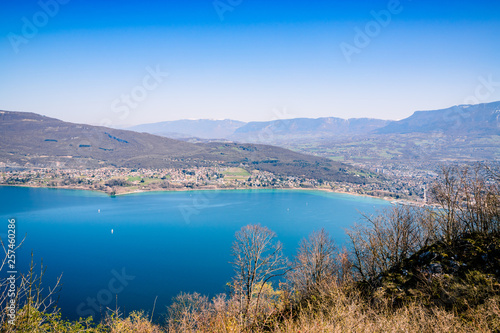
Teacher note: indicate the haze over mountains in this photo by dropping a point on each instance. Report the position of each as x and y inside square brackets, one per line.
[465, 132]
[480, 119]
[277, 131]
[252, 131]
[202, 128]
[32, 140]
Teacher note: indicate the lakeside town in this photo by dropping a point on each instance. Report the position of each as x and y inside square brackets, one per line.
[115, 181]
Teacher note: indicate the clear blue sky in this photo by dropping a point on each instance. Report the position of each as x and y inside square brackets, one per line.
[90, 61]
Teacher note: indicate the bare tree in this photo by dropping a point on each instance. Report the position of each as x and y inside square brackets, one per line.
[344, 267]
[258, 257]
[470, 201]
[314, 263]
[480, 208]
[446, 192]
[387, 239]
[188, 312]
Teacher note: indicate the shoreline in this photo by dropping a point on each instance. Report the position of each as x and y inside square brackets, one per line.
[327, 190]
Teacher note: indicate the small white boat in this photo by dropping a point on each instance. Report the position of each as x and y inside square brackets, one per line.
[111, 231]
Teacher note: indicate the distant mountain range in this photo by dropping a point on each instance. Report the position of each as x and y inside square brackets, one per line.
[32, 140]
[480, 119]
[265, 131]
[180, 129]
[274, 132]
[464, 132]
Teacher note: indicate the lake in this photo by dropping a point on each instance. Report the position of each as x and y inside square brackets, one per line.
[137, 247]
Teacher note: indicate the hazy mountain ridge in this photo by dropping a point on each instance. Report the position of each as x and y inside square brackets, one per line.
[457, 133]
[310, 125]
[250, 132]
[480, 119]
[456, 120]
[462, 132]
[202, 128]
[292, 129]
[29, 139]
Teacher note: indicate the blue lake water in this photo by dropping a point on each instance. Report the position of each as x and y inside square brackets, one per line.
[137, 247]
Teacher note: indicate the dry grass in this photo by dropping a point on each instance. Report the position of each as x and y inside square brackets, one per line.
[354, 317]
[342, 309]
[136, 322]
